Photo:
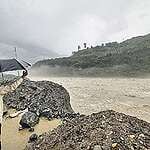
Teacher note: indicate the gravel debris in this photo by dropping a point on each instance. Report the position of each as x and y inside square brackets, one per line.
[44, 98]
[106, 130]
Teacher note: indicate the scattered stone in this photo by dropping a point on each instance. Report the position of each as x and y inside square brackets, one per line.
[97, 147]
[20, 128]
[93, 131]
[37, 146]
[15, 114]
[29, 119]
[132, 136]
[114, 145]
[33, 138]
[141, 135]
[132, 148]
[122, 138]
[31, 130]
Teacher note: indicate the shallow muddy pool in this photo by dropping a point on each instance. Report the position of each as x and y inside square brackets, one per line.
[12, 139]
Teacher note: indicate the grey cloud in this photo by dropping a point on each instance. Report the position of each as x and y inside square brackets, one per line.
[61, 25]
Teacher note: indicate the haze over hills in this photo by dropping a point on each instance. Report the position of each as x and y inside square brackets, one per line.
[129, 58]
[25, 51]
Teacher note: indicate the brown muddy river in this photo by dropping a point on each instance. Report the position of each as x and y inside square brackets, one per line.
[127, 95]
[88, 95]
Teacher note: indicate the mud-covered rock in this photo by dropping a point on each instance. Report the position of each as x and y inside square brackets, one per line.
[44, 98]
[33, 138]
[29, 119]
[107, 130]
[31, 129]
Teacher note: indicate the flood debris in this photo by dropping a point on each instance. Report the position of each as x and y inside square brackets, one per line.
[29, 119]
[41, 99]
[107, 130]
[33, 138]
[31, 129]
[13, 115]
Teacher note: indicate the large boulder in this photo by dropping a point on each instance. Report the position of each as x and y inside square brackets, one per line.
[29, 119]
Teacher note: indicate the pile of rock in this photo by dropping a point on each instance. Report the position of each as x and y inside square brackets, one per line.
[100, 131]
[41, 98]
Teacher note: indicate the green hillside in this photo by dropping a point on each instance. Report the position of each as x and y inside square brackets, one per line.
[129, 57]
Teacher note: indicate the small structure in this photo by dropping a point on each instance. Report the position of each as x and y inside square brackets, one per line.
[10, 65]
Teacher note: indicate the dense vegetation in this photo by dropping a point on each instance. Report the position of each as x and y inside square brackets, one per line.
[132, 55]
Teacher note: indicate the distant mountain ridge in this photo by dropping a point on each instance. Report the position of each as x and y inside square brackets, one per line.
[130, 57]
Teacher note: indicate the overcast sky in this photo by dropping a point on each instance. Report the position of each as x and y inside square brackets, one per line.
[61, 25]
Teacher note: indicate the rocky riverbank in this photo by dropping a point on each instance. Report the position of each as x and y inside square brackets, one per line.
[41, 99]
[100, 131]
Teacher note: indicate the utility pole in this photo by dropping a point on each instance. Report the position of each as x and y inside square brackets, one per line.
[16, 52]
[16, 56]
[2, 77]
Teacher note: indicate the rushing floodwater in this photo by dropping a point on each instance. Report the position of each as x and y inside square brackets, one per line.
[88, 95]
